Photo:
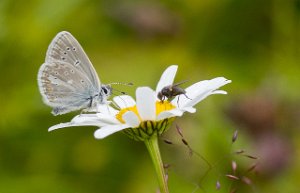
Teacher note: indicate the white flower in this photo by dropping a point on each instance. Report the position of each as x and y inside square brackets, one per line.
[147, 115]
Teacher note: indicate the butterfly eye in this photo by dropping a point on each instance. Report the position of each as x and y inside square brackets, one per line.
[104, 90]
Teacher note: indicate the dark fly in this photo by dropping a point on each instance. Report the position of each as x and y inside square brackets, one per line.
[171, 91]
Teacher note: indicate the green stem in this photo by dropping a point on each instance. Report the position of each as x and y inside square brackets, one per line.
[153, 148]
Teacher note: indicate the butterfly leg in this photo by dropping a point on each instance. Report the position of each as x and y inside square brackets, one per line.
[89, 106]
[91, 101]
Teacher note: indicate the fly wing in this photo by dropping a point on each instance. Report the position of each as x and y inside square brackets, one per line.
[65, 48]
[179, 83]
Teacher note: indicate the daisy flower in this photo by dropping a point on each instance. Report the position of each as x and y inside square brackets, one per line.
[148, 116]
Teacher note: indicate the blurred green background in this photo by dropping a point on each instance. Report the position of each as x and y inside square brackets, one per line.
[254, 43]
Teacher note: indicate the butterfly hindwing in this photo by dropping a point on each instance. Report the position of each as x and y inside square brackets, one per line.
[63, 86]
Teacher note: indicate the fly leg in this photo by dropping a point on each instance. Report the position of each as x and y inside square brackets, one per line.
[178, 99]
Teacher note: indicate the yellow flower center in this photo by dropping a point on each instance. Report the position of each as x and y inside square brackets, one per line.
[160, 107]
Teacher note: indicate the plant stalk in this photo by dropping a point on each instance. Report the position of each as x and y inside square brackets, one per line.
[153, 149]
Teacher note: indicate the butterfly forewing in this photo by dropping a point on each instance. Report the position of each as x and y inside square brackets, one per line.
[65, 48]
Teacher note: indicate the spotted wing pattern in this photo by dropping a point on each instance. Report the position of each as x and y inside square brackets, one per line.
[67, 80]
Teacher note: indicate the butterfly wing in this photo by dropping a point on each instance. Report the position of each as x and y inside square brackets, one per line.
[64, 87]
[67, 81]
[65, 48]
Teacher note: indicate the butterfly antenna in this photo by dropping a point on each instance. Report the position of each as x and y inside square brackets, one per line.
[122, 92]
[121, 83]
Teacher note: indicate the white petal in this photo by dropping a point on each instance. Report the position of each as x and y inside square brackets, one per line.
[107, 119]
[170, 113]
[131, 119]
[124, 101]
[98, 119]
[145, 102]
[199, 91]
[106, 109]
[61, 125]
[108, 130]
[86, 120]
[219, 92]
[189, 109]
[80, 122]
[167, 78]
